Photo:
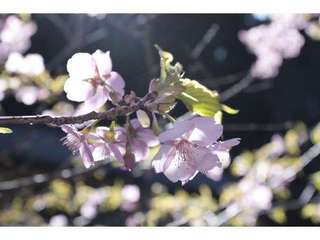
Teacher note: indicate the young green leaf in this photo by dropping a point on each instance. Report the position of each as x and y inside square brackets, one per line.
[229, 110]
[199, 99]
[169, 73]
[4, 130]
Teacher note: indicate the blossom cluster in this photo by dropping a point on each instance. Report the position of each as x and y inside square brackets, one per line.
[15, 36]
[188, 147]
[273, 42]
[24, 76]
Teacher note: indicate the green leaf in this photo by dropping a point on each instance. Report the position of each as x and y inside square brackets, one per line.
[199, 99]
[229, 110]
[4, 130]
[169, 73]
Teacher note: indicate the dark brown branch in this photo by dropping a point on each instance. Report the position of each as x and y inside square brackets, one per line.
[111, 114]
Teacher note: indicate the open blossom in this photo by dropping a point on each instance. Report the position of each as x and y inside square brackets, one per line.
[77, 142]
[92, 81]
[139, 141]
[109, 143]
[271, 43]
[30, 65]
[190, 147]
[15, 36]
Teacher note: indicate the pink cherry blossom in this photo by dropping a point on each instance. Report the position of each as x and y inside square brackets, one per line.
[92, 81]
[109, 143]
[271, 43]
[77, 142]
[15, 36]
[30, 65]
[139, 141]
[190, 147]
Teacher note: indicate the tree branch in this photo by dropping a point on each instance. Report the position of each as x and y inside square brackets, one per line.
[111, 114]
[236, 88]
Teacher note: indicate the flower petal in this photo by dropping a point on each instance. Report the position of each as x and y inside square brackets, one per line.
[115, 149]
[179, 170]
[77, 90]
[101, 131]
[148, 137]
[98, 99]
[226, 145]
[81, 66]
[161, 157]
[178, 130]
[86, 155]
[100, 152]
[203, 160]
[139, 149]
[116, 82]
[206, 131]
[103, 62]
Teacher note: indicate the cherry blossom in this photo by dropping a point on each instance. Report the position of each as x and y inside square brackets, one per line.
[190, 147]
[139, 141]
[15, 36]
[30, 65]
[109, 143]
[77, 142]
[92, 81]
[271, 43]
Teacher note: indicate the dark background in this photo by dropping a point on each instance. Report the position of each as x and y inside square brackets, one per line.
[268, 106]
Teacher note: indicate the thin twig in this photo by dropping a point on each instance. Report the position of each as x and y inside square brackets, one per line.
[206, 39]
[41, 178]
[267, 127]
[236, 88]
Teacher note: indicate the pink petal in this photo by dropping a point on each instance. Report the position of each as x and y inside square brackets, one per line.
[206, 131]
[101, 131]
[81, 66]
[161, 157]
[224, 157]
[139, 149]
[98, 99]
[115, 149]
[226, 145]
[204, 160]
[135, 123]
[116, 82]
[86, 155]
[103, 62]
[77, 90]
[179, 170]
[215, 173]
[100, 152]
[148, 137]
[177, 131]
